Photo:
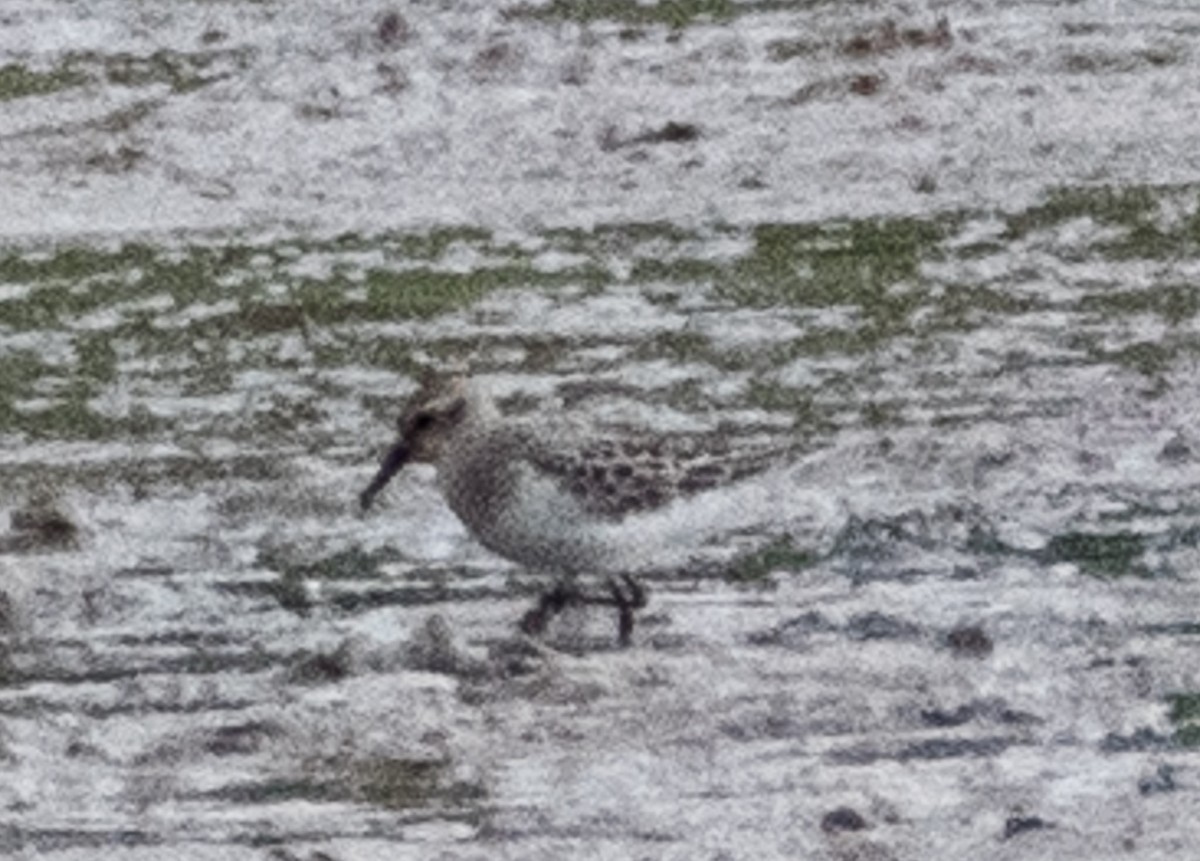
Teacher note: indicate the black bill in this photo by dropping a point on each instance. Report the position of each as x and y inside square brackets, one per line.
[391, 465]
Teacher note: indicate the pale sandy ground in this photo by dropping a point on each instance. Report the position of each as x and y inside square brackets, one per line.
[161, 712]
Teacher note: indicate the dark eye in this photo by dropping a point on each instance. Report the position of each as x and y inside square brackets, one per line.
[423, 421]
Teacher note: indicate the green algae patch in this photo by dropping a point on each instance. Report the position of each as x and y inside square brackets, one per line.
[1095, 62]
[425, 293]
[351, 564]
[873, 265]
[1126, 206]
[182, 71]
[397, 783]
[389, 783]
[782, 50]
[671, 13]
[1143, 216]
[677, 345]
[72, 262]
[195, 317]
[680, 270]
[191, 320]
[1184, 713]
[779, 555]
[19, 370]
[1148, 358]
[800, 403]
[17, 81]
[963, 307]
[275, 791]
[1173, 303]
[1118, 554]
[68, 418]
[618, 238]
[674, 14]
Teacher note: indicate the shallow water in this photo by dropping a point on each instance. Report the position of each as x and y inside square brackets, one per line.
[953, 263]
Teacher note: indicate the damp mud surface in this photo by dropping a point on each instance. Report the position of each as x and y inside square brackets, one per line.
[949, 251]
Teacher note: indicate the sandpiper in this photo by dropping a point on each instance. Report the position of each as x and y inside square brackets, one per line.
[556, 496]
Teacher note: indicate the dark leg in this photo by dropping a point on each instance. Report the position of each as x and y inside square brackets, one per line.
[626, 595]
[626, 603]
[550, 604]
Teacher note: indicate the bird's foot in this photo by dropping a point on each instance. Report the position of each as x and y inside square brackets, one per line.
[624, 593]
[549, 605]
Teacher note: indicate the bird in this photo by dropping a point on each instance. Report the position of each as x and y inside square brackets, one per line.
[559, 496]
